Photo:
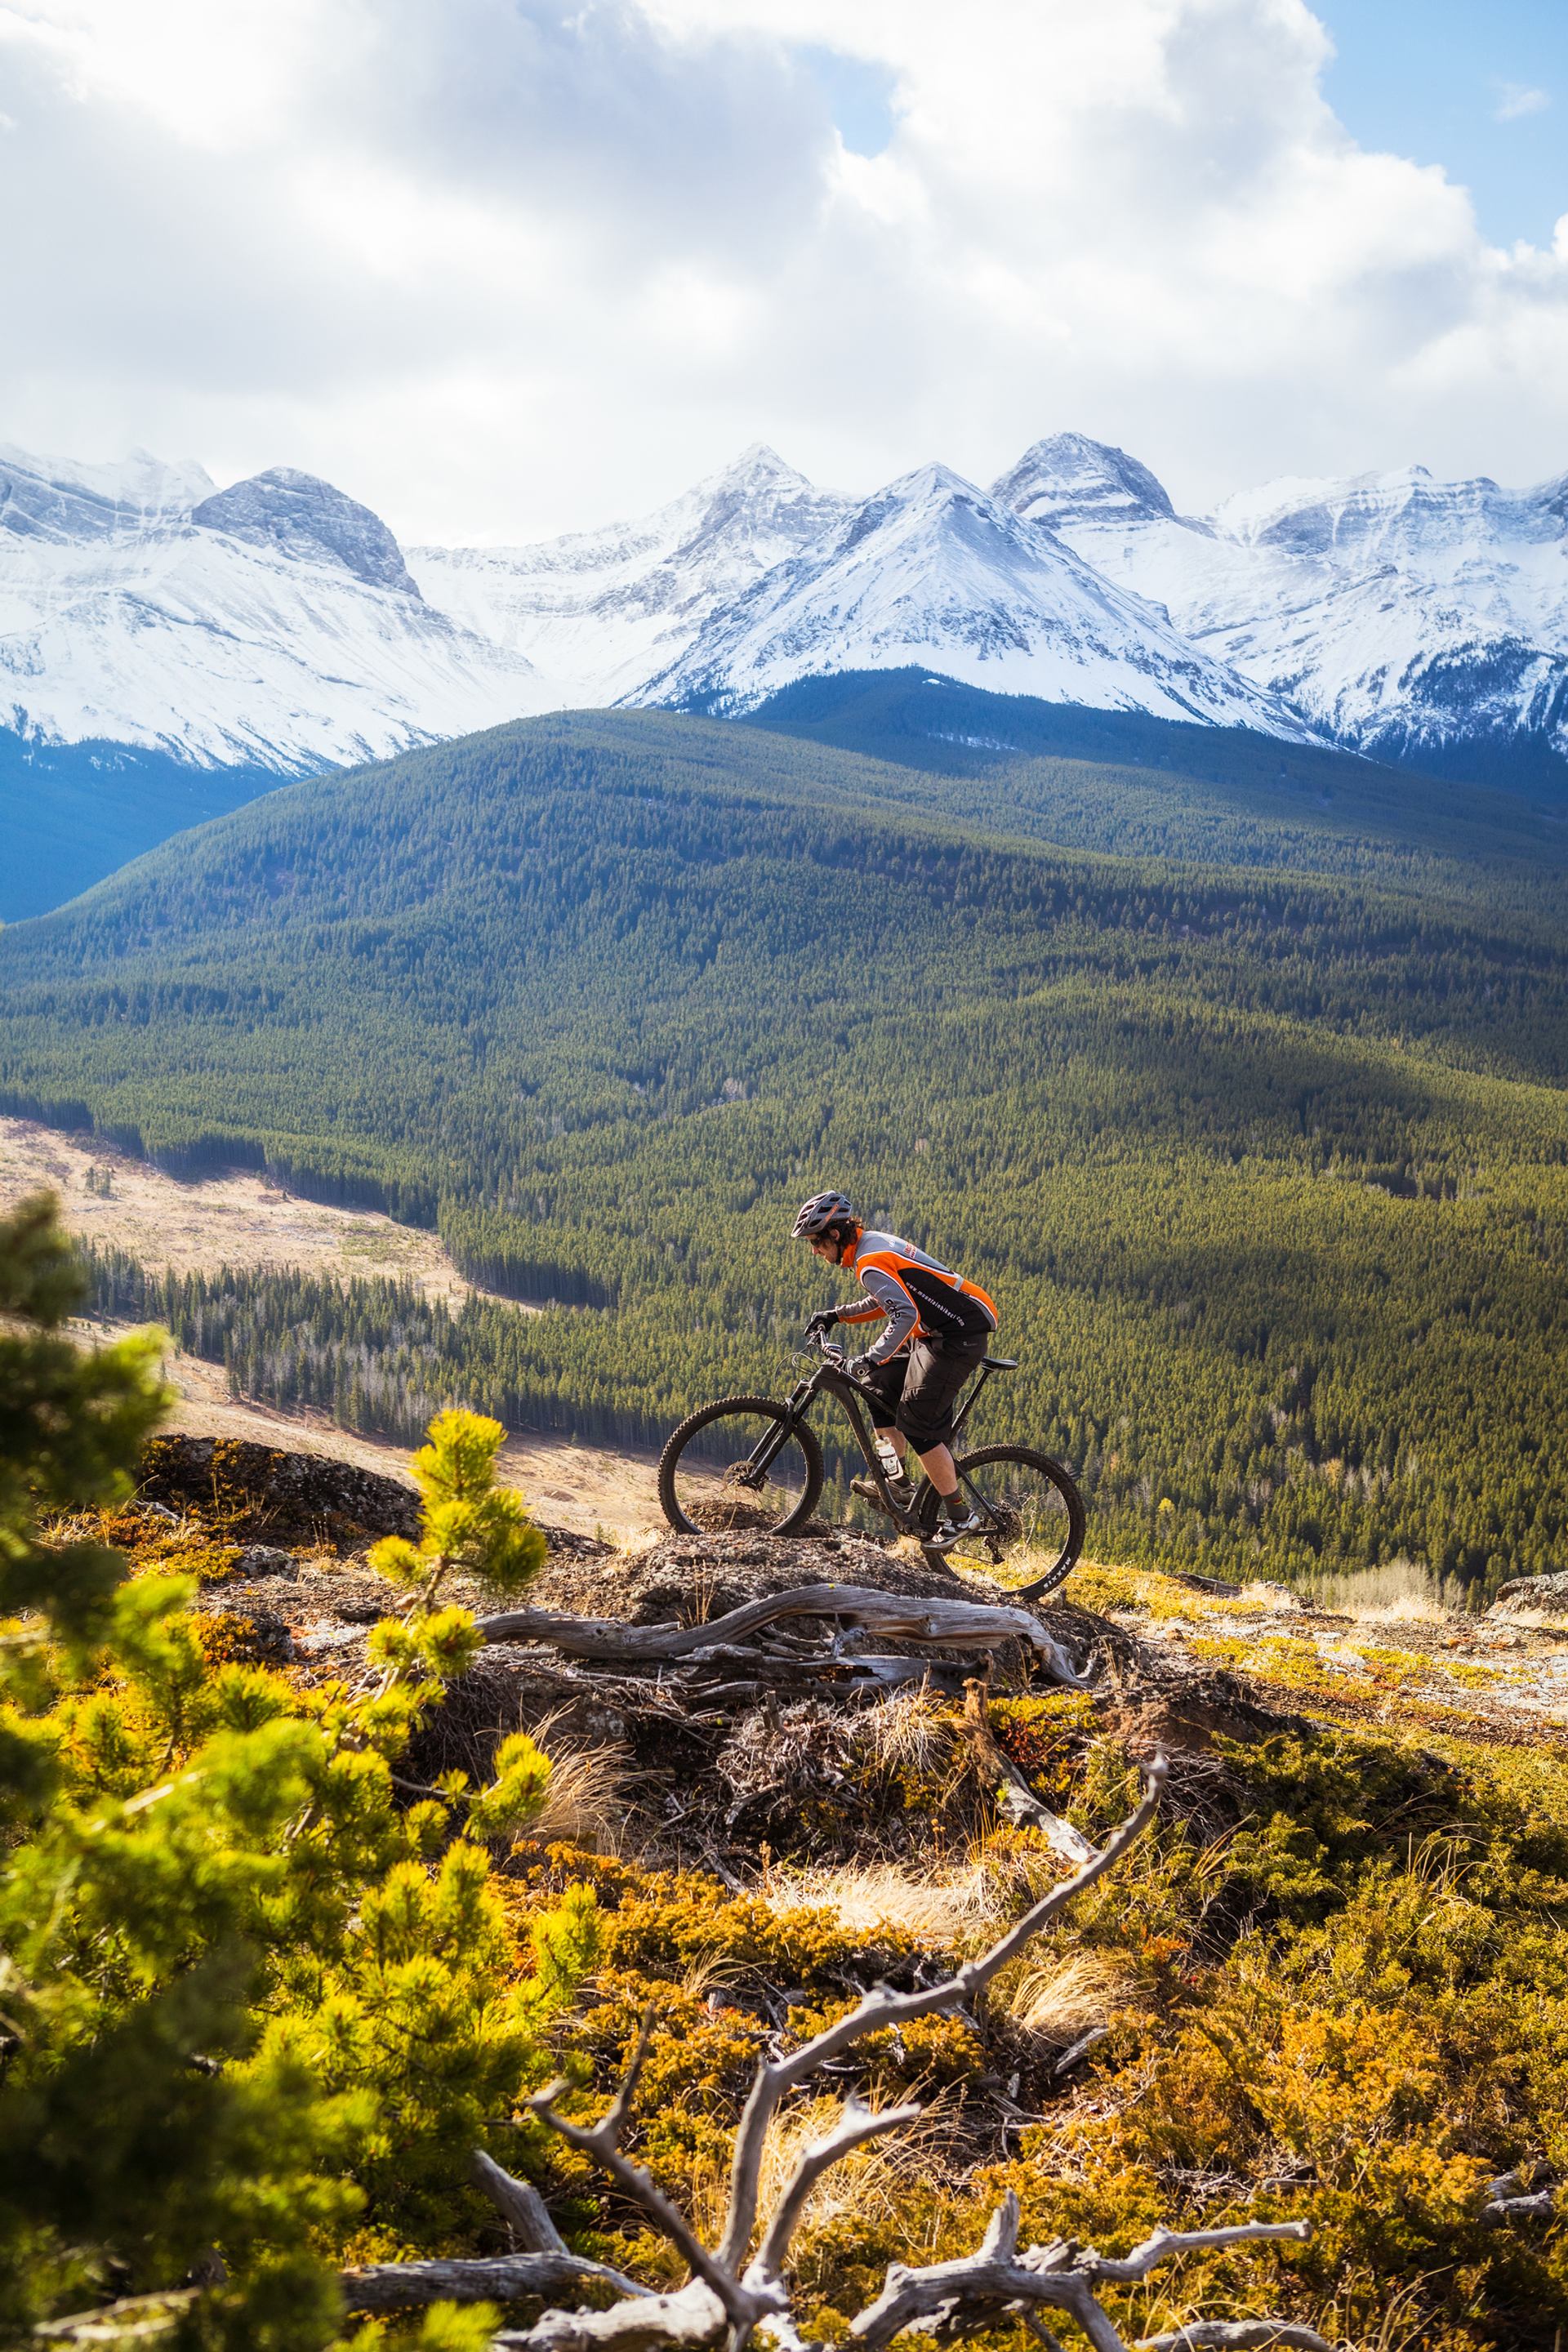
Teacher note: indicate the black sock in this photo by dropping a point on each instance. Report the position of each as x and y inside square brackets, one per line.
[956, 1504]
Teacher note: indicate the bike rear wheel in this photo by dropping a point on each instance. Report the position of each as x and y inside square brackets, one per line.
[1033, 1514]
[706, 1484]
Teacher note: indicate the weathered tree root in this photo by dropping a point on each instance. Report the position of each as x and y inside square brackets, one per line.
[1238, 2335]
[503, 2278]
[944, 1624]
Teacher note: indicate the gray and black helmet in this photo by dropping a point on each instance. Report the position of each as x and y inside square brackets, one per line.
[825, 1213]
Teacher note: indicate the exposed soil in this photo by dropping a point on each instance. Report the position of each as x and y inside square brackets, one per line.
[239, 1219]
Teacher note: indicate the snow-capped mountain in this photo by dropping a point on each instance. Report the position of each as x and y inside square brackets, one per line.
[603, 612]
[1402, 615]
[931, 570]
[277, 623]
[270, 624]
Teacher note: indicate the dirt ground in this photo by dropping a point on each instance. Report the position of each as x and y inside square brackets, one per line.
[239, 1220]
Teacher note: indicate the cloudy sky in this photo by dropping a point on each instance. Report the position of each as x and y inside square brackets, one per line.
[503, 267]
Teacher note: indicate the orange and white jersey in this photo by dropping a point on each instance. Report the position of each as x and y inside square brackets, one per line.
[922, 1298]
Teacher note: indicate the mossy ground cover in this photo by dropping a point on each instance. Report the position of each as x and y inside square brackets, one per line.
[1331, 1985]
[1351, 2005]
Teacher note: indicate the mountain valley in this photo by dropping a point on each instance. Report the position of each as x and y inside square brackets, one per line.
[1266, 1161]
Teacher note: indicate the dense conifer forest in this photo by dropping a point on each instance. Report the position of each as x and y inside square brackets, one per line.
[1260, 1143]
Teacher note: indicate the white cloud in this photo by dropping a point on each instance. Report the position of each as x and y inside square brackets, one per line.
[1517, 99]
[507, 265]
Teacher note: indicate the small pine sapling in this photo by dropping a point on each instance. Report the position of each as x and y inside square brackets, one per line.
[255, 2007]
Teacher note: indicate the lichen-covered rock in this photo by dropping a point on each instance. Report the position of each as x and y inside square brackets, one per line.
[276, 1496]
[265, 1560]
[1549, 1594]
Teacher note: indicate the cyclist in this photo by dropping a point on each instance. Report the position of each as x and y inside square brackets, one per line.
[938, 1329]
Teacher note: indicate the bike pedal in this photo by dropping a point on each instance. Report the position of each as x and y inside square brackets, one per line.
[948, 1533]
[893, 1505]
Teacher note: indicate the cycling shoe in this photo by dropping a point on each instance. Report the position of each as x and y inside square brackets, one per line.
[900, 1495]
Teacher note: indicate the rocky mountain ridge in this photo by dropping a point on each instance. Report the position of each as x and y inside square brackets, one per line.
[1400, 616]
[278, 622]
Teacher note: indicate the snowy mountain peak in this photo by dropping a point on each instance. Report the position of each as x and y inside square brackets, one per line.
[604, 610]
[276, 622]
[1404, 615]
[758, 463]
[931, 571]
[1068, 478]
[1378, 517]
[300, 516]
[754, 497]
[59, 501]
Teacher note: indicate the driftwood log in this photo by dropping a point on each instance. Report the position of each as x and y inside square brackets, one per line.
[942, 1623]
[740, 2286]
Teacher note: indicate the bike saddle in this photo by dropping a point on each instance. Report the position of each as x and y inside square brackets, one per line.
[1003, 1363]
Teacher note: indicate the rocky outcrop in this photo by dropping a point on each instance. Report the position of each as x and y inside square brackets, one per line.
[1549, 1594]
[268, 1496]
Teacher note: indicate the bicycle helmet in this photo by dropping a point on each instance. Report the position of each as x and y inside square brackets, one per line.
[825, 1213]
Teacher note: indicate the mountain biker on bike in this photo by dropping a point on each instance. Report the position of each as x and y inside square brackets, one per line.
[938, 1329]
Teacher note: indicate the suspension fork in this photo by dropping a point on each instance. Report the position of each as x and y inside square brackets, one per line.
[772, 1444]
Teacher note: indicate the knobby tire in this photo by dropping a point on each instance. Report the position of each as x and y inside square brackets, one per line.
[765, 1409]
[1052, 1473]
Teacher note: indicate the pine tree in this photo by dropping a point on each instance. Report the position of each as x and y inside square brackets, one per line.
[254, 2001]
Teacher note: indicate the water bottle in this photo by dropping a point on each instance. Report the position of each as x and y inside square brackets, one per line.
[888, 1456]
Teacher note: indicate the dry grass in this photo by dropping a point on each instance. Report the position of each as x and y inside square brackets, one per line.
[1411, 1609]
[868, 2188]
[939, 1909]
[710, 1971]
[1063, 2001]
[911, 1730]
[1269, 1599]
[584, 1804]
[1401, 1588]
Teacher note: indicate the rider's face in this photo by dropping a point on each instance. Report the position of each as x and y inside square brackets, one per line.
[823, 1247]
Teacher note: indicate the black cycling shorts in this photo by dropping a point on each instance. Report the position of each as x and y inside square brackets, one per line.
[918, 1390]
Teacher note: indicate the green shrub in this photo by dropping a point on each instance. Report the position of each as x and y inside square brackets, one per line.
[255, 2001]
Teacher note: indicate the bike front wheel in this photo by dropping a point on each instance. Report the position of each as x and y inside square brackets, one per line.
[740, 1466]
[1032, 1518]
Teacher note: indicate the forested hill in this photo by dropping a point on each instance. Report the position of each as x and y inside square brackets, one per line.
[1268, 1168]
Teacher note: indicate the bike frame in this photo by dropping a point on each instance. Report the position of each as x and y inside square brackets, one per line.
[830, 1379]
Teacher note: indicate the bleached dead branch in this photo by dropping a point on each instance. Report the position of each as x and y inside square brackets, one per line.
[741, 2286]
[1238, 2335]
[998, 2279]
[1017, 1798]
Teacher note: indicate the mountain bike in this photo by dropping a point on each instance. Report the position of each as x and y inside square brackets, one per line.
[755, 1463]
